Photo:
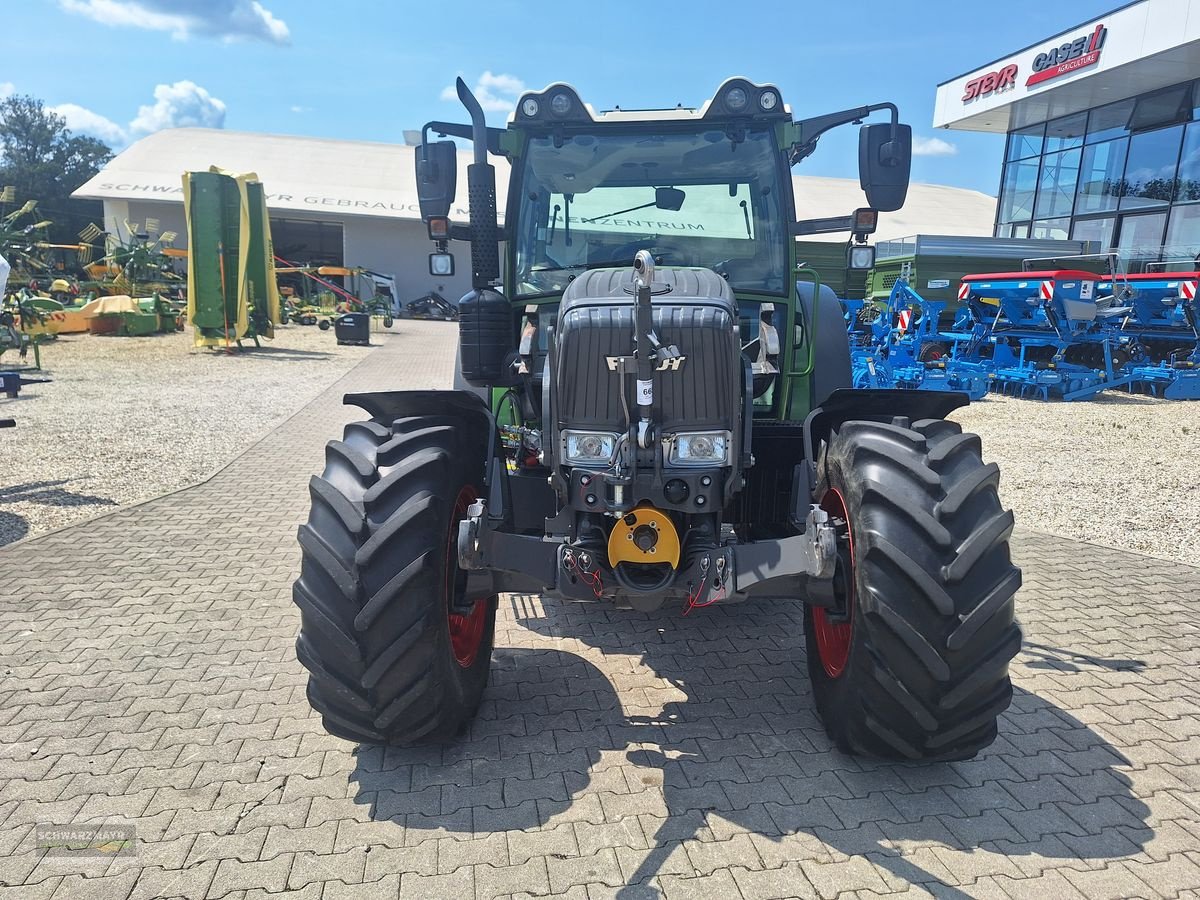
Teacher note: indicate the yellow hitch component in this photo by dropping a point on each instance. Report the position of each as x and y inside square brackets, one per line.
[644, 535]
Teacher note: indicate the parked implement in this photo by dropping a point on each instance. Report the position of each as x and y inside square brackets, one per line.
[679, 427]
[232, 294]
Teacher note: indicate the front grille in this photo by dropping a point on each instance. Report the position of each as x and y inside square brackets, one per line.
[702, 393]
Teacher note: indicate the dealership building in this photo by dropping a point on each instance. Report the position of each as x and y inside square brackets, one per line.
[354, 203]
[1102, 125]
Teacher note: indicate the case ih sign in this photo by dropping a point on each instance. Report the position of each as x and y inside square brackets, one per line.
[1070, 57]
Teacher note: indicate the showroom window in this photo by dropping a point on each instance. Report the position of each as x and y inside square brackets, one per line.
[1108, 122]
[1053, 229]
[1099, 230]
[1020, 185]
[1124, 175]
[1150, 168]
[1183, 232]
[1025, 143]
[1100, 177]
[1065, 133]
[1056, 184]
[1189, 165]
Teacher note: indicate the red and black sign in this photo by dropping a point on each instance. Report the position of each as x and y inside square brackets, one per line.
[1070, 57]
[990, 83]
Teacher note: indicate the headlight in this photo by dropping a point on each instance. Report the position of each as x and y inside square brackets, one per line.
[700, 448]
[588, 448]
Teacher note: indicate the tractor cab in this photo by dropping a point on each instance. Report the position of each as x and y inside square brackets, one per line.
[706, 187]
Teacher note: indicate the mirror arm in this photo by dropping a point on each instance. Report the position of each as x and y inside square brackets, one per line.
[458, 130]
[807, 131]
[829, 225]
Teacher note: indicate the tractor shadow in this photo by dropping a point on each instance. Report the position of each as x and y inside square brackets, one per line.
[704, 728]
[51, 493]
[13, 528]
[279, 354]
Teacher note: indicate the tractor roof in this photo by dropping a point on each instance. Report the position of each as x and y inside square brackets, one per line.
[737, 99]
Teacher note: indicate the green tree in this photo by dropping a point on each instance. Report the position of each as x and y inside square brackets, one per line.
[45, 161]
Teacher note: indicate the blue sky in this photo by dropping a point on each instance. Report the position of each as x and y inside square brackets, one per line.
[368, 69]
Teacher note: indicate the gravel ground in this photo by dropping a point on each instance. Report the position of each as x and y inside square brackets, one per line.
[126, 419]
[1120, 470]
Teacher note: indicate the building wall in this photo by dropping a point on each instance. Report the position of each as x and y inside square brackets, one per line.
[389, 246]
[401, 248]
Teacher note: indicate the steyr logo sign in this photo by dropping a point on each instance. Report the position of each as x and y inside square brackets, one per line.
[1002, 80]
[1070, 57]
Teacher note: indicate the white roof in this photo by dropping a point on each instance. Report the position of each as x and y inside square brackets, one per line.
[357, 178]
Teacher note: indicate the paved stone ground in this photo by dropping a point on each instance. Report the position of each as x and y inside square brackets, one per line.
[149, 678]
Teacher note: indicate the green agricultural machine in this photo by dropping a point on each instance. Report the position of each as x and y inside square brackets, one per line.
[829, 260]
[678, 428]
[232, 293]
[934, 264]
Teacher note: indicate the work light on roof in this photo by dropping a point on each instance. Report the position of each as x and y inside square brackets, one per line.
[768, 100]
[560, 103]
[736, 99]
[530, 107]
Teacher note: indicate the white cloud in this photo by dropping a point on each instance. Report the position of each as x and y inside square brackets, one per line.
[496, 93]
[179, 105]
[83, 121]
[300, 109]
[7, 89]
[230, 20]
[932, 147]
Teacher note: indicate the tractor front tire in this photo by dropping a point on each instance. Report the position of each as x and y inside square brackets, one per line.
[396, 653]
[915, 666]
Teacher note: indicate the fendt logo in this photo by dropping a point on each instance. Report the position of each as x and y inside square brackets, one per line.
[1070, 57]
[1003, 80]
[674, 364]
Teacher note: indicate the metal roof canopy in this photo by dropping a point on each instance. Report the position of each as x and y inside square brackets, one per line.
[1149, 44]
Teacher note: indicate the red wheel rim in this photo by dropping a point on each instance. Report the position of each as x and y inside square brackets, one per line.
[833, 638]
[466, 630]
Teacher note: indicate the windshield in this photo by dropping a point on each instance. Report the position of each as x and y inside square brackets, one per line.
[691, 199]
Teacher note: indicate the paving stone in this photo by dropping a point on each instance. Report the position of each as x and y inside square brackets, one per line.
[641, 753]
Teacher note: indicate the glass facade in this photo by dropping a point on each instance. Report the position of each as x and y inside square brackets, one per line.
[1125, 175]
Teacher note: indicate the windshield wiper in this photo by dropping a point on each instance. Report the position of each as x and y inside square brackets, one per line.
[597, 264]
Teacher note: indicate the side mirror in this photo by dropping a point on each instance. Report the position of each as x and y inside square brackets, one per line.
[860, 256]
[437, 177]
[441, 265]
[884, 161]
[669, 198]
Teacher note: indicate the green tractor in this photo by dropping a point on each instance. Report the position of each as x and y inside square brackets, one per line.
[657, 409]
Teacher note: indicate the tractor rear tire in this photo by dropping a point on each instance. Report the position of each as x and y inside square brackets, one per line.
[917, 668]
[395, 652]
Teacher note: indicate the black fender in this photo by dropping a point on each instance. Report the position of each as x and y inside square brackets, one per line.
[465, 405]
[879, 404]
[831, 345]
